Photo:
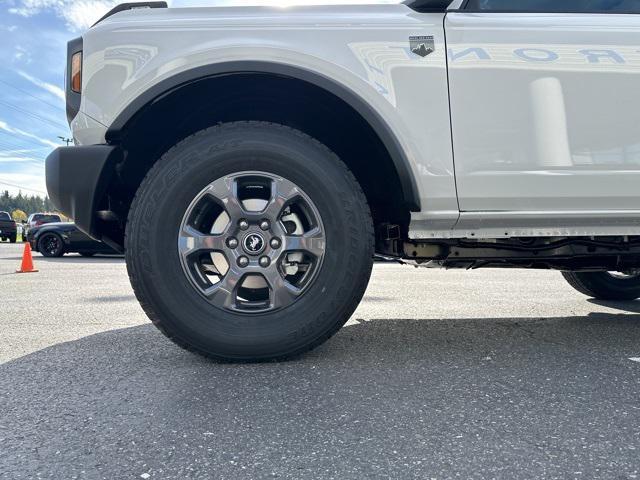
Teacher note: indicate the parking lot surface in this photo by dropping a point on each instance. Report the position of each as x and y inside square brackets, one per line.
[439, 374]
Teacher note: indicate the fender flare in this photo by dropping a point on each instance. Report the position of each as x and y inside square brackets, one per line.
[366, 111]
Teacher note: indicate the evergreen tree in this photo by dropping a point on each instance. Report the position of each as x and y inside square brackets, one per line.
[27, 204]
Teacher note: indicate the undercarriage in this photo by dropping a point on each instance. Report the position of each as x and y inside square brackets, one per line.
[621, 254]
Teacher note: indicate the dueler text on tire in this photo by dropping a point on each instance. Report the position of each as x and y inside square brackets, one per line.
[605, 285]
[249, 241]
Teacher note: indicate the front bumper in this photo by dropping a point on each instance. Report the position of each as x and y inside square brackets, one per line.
[77, 180]
[8, 231]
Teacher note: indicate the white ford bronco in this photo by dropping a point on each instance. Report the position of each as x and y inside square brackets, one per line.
[252, 161]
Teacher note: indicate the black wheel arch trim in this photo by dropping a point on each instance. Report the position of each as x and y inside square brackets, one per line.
[77, 180]
[167, 86]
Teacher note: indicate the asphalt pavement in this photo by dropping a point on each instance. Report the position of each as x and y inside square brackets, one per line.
[485, 374]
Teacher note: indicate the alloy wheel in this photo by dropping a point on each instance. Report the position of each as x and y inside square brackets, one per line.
[251, 242]
[50, 245]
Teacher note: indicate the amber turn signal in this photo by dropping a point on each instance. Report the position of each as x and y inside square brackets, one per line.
[76, 72]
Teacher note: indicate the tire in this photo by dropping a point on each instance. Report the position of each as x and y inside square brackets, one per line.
[604, 286]
[13, 238]
[51, 245]
[162, 285]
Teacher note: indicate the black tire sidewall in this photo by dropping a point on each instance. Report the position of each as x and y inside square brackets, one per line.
[605, 286]
[187, 169]
[58, 253]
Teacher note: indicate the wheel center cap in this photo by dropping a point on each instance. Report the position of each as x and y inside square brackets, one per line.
[253, 244]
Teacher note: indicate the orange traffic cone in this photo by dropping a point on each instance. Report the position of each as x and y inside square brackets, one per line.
[27, 261]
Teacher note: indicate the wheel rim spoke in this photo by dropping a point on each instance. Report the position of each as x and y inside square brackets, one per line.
[223, 294]
[282, 192]
[225, 190]
[192, 241]
[312, 242]
[252, 279]
[282, 293]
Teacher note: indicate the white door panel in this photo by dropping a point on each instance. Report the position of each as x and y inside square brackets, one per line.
[545, 111]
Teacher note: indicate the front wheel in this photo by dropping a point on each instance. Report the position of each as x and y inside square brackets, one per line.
[249, 241]
[51, 245]
[13, 238]
[606, 285]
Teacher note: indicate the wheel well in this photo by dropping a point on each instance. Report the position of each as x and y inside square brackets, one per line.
[262, 97]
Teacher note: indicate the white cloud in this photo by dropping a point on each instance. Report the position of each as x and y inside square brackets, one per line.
[84, 13]
[78, 14]
[23, 154]
[21, 54]
[28, 8]
[10, 155]
[30, 181]
[53, 89]
[16, 131]
[22, 173]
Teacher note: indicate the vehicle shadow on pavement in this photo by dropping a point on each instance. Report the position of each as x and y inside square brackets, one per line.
[521, 398]
[633, 307]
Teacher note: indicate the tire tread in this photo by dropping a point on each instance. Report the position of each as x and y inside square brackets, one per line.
[136, 214]
[600, 286]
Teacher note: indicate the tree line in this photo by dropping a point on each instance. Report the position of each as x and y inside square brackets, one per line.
[23, 205]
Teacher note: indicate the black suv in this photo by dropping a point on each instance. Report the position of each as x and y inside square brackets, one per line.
[8, 229]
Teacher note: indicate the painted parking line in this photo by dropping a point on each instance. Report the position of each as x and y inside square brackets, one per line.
[635, 359]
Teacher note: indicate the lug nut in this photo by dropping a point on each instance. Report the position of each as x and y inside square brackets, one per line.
[264, 262]
[275, 242]
[243, 262]
[264, 224]
[243, 224]
[232, 242]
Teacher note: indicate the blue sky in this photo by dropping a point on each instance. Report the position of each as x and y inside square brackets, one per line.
[32, 56]
[33, 37]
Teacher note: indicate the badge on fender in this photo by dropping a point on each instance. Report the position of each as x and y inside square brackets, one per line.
[422, 45]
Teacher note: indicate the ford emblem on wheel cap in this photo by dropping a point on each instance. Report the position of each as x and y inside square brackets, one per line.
[253, 243]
